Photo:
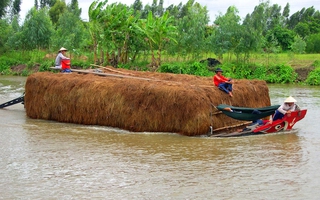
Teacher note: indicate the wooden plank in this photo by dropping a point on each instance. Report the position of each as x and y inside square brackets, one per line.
[234, 134]
[132, 77]
[113, 75]
[112, 70]
[234, 126]
[107, 74]
[55, 68]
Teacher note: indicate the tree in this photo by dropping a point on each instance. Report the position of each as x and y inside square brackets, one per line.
[157, 10]
[258, 18]
[47, 3]
[111, 29]
[249, 42]
[3, 6]
[57, 10]
[174, 10]
[14, 38]
[118, 27]
[302, 29]
[74, 8]
[69, 36]
[313, 43]
[16, 7]
[273, 16]
[192, 31]
[160, 8]
[298, 46]
[14, 10]
[286, 12]
[96, 31]
[271, 45]
[157, 31]
[309, 16]
[226, 36]
[5, 32]
[284, 36]
[36, 30]
[137, 6]
[36, 5]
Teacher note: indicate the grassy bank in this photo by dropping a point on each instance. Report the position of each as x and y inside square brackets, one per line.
[273, 68]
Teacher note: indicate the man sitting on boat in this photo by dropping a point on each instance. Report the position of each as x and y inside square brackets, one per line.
[292, 114]
[287, 107]
[62, 62]
[222, 82]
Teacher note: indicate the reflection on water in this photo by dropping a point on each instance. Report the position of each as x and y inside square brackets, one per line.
[49, 160]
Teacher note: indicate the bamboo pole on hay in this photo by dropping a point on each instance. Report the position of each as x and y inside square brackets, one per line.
[171, 103]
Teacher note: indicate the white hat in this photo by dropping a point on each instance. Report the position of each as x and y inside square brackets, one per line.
[63, 49]
[290, 100]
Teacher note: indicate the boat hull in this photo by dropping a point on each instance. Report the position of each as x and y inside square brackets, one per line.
[280, 125]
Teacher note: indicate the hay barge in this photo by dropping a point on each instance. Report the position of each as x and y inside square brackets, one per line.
[139, 101]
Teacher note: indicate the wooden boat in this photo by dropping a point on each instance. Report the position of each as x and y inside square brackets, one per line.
[284, 124]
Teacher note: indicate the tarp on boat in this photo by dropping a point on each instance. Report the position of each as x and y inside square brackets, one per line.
[246, 114]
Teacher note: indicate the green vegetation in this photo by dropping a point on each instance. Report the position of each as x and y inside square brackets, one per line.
[268, 44]
[314, 76]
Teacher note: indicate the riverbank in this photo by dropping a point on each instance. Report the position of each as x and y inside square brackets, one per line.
[22, 70]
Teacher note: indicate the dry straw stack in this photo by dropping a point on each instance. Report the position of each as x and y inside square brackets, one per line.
[139, 101]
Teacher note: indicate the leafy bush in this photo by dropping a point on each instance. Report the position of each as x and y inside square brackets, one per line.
[243, 71]
[45, 66]
[314, 77]
[80, 64]
[316, 63]
[195, 68]
[175, 68]
[313, 43]
[6, 63]
[25, 72]
[259, 72]
[198, 69]
[273, 74]
[138, 66]
[281, 74]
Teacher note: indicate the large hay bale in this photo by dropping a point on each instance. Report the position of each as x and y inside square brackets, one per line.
[152, 102]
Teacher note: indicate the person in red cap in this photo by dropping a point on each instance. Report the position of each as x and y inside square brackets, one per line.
[222, 82]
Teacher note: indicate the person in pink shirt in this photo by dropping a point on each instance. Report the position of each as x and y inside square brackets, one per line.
[222, 82]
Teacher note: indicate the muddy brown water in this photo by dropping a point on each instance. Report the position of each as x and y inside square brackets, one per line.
[48, 160]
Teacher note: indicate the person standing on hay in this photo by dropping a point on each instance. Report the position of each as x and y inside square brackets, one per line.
[222, 82]
[287, 107]
[61, 57]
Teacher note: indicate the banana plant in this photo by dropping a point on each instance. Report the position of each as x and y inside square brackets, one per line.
[157, 32]
[95, 30]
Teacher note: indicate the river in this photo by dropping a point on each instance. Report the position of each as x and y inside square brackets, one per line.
[49, 160]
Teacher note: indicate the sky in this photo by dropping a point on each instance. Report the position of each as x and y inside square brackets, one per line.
[215, 7]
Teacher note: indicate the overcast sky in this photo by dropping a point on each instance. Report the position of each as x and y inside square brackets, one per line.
[214, 6]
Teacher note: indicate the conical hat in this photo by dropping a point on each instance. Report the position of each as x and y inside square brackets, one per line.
[63, 49]
[290, 100]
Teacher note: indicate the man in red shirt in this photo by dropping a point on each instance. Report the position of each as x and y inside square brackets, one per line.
[222, 82]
